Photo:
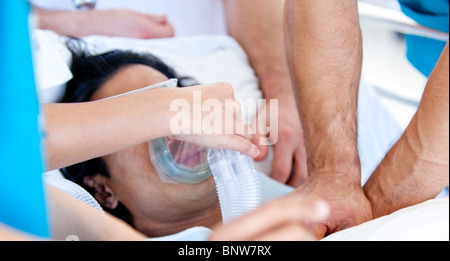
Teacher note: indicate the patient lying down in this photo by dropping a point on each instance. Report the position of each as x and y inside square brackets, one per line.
[125, 183]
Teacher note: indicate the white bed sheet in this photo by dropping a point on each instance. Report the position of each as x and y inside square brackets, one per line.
[428, 221]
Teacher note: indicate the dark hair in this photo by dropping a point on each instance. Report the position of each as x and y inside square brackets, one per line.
[90, 72]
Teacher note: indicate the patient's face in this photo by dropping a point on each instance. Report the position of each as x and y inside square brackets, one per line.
[135, 183]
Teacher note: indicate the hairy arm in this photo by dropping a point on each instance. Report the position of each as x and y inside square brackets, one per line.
[258, 26]
[417, 167]
[324, 52]
[324, 47]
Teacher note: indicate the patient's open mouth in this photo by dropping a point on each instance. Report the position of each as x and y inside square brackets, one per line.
[186, 154]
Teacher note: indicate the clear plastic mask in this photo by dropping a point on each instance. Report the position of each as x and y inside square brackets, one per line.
[179, 162]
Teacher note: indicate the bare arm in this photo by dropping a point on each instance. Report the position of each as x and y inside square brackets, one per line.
[324, 47]
[9, 234]
[81, 131]
[417, 167]
[114, 22]
[258, 26]
[324, 52]
[69, 217]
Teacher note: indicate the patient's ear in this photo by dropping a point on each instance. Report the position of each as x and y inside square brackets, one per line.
[103, 192]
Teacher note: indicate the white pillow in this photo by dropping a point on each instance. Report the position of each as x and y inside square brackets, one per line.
[51, 65]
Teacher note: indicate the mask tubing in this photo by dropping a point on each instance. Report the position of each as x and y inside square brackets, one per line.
[237, 183]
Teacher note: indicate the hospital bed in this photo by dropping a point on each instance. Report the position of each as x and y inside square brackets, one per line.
[196, 56]
[385, 62]
[394, 20]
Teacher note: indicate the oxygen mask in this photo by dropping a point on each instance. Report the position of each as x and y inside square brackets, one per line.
[179, 162]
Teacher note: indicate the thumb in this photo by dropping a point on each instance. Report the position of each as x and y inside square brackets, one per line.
[260, 141]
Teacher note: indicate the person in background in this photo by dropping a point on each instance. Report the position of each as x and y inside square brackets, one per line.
[324, 50]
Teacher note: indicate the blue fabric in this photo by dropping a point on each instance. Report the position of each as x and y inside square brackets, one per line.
[22, 197]
[422, 52]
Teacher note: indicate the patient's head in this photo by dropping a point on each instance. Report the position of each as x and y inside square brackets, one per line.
[125, 183]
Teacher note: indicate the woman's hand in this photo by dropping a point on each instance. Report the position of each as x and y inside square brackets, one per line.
[106, 126]
[210, 116]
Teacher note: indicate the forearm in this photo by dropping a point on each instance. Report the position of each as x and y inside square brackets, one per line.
[258, 26]
[416, 168]
[63, 22]
[325, 56]
[69, 217]
[10, 234]
[81, 131]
